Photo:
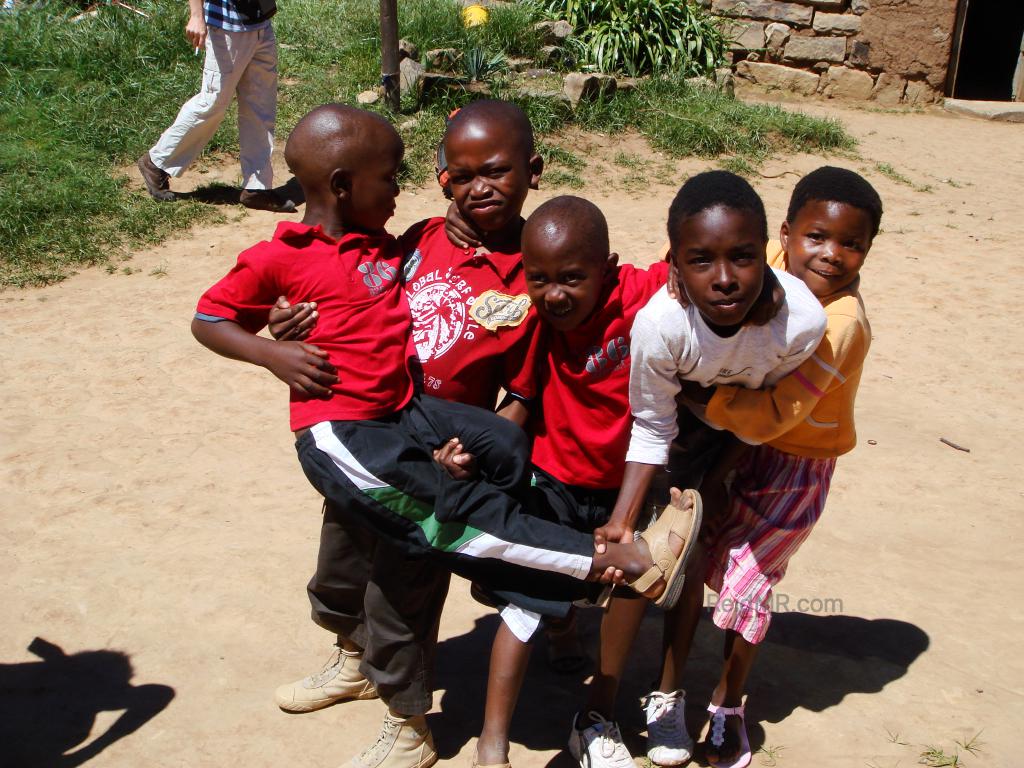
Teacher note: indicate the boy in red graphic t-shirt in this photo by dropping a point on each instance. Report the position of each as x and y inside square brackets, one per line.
[581, 430]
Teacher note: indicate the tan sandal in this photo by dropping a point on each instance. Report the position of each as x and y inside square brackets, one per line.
[488, 765]
[678, 521]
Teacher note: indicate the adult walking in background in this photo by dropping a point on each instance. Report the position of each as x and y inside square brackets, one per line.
[241, 57]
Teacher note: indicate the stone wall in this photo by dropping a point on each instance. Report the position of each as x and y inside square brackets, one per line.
[889, 51]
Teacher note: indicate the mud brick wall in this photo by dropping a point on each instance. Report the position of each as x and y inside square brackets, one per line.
[889, 51]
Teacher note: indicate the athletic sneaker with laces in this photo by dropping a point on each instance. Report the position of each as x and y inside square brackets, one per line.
[339, 680]
[402, 743]
[597, 743]
[668, 742]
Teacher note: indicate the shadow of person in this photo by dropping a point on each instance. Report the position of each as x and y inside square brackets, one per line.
[219, 193]
[806, 660]
[48, 707]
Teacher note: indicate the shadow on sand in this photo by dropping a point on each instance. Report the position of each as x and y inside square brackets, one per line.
[218, 193]
[48, 707]
[808, 661]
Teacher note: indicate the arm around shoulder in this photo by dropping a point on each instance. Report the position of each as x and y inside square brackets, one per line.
[763, 415]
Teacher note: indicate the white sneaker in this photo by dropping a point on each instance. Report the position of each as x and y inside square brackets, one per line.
[597, 743]
[668, 742]
[339, 680]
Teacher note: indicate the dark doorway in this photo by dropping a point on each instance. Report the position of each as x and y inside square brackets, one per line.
[986, 59]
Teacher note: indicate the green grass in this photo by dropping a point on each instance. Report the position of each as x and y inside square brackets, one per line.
[81, 99]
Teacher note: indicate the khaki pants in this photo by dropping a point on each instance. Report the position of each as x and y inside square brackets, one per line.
[236, 62]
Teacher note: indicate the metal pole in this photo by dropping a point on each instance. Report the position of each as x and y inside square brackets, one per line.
[389, 53]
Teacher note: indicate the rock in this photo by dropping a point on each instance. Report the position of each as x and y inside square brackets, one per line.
[776, 35]
[626, 84]
[584, 85]
[776, 77]
[889, 89]
[535, 73]
[831, 49]
[410, 72]
[408, 125]
[836, 23]
[828, 5]
[553, 32]
[434, 82]
[770, 10]
[918, 93]
[701, 83]
[911, 39]
[442, 58]
[551, 54]
[846, 83]
[820, 66]
[540, 92]
[519, 65]
[1005, 111]
[754, 56]
[725, 80]
[563, 30]
[860, 52]
[745, 35]
[368, 97]
[408, 50]
[860, 6]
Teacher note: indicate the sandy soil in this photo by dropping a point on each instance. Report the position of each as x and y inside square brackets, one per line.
[158, 532]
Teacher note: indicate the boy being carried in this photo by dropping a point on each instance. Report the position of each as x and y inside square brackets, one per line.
[475, 334]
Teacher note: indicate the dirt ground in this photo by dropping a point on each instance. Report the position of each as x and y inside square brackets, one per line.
[158, 532]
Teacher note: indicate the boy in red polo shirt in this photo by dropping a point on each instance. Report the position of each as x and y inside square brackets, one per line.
[475, 334]
[582, 428]
[375, 464]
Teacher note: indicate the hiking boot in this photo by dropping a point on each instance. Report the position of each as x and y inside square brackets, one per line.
[265, 200]
[157, 180]
[402, 743]
[339, 680]
[668, 742]
[597, 743]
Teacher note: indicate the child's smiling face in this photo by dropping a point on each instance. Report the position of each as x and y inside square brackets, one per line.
[826, 245]
[564, 278]
[719, 262]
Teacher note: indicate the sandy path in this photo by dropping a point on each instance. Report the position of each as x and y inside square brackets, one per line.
[152, 505]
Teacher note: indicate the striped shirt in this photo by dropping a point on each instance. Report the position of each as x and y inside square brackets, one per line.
[236, 17]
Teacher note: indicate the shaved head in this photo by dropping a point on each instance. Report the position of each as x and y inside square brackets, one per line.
[568, 221]
[498, 120]
[333, 137]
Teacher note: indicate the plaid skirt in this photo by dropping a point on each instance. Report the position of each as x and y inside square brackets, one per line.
[775, 500]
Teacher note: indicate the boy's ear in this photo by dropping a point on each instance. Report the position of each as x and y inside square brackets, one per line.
[341, 183]
[536, 169]
[610, 264]
[784, 236]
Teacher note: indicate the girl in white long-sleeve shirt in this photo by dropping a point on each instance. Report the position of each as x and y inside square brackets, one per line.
[728, 319]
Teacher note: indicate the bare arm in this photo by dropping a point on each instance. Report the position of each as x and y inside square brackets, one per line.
[195, 29]
[303, 367]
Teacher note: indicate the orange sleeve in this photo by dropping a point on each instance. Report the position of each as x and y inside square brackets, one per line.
[763, 415]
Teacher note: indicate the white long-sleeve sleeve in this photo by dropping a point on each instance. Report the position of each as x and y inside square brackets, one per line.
[654, 377]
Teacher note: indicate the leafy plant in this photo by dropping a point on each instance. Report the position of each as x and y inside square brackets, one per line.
[643, 36]
[481, 64]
